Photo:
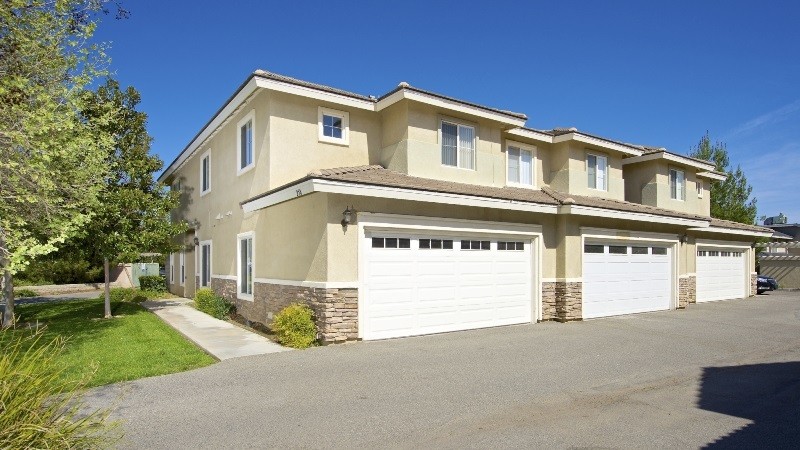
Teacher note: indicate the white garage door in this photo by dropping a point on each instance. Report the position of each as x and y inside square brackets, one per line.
[625, 279]
[421, 284]
[721, 274]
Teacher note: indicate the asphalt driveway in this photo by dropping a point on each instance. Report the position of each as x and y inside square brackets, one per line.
[721, 374]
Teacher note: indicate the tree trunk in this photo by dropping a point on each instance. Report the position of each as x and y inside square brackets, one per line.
[8, 297]
[6, 289]
[106, 265]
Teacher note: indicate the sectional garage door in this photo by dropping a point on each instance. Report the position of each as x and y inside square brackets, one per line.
[721, 274]
[620, 278]
[419, 284]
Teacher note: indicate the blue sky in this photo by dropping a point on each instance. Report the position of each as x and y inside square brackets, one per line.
[651, 73]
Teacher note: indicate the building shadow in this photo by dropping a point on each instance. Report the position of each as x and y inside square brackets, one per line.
[766, 394]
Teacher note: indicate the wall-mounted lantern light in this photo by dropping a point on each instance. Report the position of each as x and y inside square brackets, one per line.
[684, 239]
[347, 216]
[196, 241]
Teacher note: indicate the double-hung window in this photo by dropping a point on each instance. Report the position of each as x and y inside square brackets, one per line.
[182, 268]
[699, 189]
[677, 184]
[245, 143]
[245, 266]
[458, 145]
[597, 169]
[205, 263]
[205, 174]
[334, 126]
[520, 165]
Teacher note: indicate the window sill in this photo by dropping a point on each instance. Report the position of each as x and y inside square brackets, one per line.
[334, 141]
[246, 297]
[244, 170]
[457, 167]
[204, 193]
[522, 185]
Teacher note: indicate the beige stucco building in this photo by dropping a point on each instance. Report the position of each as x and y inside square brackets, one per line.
[418, 213]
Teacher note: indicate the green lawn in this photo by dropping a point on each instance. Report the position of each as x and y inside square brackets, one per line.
[134, 344]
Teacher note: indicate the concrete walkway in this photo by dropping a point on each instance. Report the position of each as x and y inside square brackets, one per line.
[220, 339]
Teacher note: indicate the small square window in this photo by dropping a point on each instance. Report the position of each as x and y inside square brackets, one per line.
[639, 250]
[436, 243]
[405, 243]
[501, 245]
[485, 245]
[447, 244]
[377, 242]
[659, 250]
[425, 243]
[334, 126]
[465, 245]
[391, 242]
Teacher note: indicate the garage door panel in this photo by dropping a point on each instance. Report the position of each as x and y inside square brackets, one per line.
[720, 277]
[439, 290]
[615, 284]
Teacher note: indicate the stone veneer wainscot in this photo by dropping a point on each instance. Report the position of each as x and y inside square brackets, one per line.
[336, 310]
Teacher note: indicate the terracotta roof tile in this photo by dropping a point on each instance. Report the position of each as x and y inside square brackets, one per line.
[616, 205]
[377, 175]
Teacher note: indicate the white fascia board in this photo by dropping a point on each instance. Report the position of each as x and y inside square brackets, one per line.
[316, 94]
[598, 142]
[626, 215]
[627, 235]
[383, 221]
[712, 176]
[366, 190]
[669, 157]
[530, 134]
[449, 105]
[733, 231]
[209, 129]
[297, 190]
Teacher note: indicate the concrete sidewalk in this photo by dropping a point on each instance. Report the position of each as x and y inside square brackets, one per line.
[220, 339]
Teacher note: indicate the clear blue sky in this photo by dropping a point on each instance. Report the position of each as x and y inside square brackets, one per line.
[642, 72]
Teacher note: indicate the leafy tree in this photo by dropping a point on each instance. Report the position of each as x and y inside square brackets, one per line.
[730, 199]
[51, 158]
[132, 215]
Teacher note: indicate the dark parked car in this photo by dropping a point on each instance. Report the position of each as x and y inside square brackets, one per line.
[766, 284]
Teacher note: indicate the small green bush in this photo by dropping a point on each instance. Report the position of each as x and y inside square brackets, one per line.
[294, 326]
[133, 295]
[212, 304]
[37, 408]
[60, 271]
[155, 283]
[22, 293]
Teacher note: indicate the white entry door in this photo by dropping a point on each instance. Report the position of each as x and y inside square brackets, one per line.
[419, 284]
[621, 278]
[721, 274]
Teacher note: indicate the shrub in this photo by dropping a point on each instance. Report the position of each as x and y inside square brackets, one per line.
[212, 304]
[294, 326]
[61, 271]
[133, 295]
[155, 283]
[22, 293]
[38, 409]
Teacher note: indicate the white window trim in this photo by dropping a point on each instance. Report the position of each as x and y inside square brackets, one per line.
[699, 186]
[251, 116]
[172, 268]
[681, 198]
[586, 167]
[344, 115]
[459, 123]
[205, 155]
[239, 237]
[182, 268]
[534, 158]
[210, 262]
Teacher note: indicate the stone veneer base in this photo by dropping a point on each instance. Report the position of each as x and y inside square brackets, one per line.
[562, 301]
[336, 310]
[753, 284]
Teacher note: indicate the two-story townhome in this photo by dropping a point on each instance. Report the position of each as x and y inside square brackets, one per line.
[417, 213]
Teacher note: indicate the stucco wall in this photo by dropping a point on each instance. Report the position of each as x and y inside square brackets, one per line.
[787, 273]
[648, 183]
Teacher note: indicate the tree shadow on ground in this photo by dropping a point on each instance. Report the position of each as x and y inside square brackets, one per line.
[766, 394]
